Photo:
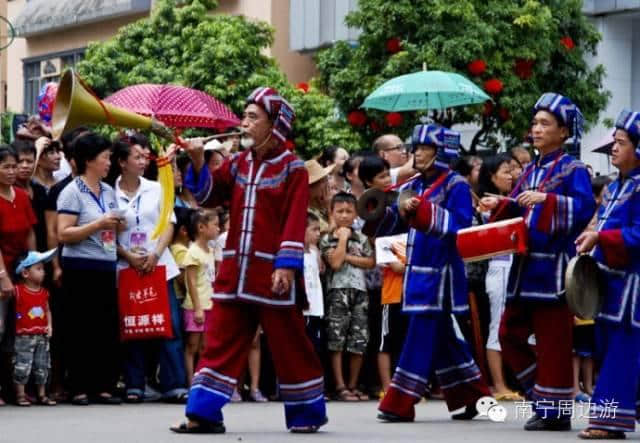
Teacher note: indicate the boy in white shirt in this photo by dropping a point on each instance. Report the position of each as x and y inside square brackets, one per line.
[313, 267]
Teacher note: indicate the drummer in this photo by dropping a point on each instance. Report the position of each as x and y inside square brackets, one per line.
[434, 281]
[554, 196]
[617, 250]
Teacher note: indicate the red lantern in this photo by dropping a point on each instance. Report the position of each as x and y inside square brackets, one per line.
[567, 42]
[488, 108]
[504, 114]
[493, 86]
[290, 145]
[524, 68]
[303, 87]
[357, 118]
[393, 119]
[375, 126]
[393, 45]
[477, 67]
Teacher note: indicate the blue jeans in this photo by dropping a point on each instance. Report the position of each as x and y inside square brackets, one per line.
[167, 353]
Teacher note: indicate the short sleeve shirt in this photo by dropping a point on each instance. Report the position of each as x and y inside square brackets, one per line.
[348, 276]
[78, 199]
[205, 276]
[31, 310]
[16, 221]
[179, 252]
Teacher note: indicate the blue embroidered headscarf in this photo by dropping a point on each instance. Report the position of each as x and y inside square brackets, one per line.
[446, 142]
[629, 121]
[566, 112]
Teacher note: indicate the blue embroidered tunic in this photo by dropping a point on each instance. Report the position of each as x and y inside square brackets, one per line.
[434, 279]
[618, 249]
[553, 225]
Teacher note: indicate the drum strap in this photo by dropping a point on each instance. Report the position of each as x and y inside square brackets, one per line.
[435, 185]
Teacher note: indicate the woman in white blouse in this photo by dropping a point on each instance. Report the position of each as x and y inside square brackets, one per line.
[141, 201]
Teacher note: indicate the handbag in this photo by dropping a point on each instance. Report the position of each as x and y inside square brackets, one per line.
[143, 305]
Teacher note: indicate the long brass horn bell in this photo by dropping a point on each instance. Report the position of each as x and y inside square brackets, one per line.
[76, 106]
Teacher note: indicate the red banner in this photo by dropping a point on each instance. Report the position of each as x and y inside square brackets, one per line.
[143, 302]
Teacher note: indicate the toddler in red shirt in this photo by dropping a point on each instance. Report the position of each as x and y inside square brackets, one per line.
[33, 327]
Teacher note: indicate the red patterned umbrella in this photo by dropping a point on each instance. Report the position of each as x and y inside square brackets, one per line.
[175, 106]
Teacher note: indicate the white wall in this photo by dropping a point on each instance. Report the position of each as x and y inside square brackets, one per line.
[635, 65]
[619, 52]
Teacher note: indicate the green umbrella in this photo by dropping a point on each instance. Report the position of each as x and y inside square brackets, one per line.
[425, 90]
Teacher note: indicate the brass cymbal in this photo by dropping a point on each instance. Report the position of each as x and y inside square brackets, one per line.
[373, 202]
[583, 287]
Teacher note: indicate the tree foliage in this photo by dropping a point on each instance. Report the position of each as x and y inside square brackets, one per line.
[223, 55]
[530, 46]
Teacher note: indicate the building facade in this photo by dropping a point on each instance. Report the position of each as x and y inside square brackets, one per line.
[53, 35]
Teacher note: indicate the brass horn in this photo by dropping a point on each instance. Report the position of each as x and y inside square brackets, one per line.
[76, 106]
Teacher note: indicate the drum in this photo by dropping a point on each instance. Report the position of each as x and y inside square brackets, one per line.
[584, 287]
[493, 239]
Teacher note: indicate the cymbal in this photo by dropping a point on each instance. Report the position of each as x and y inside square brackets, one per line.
[583, 285]
[373, 202]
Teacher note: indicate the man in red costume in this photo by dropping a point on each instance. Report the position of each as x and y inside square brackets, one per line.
[266, 186]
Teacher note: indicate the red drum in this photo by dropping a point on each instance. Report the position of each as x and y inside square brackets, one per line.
[493, 239]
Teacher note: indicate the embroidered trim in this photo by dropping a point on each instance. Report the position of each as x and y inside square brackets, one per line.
[409, 383]
[264, 255]
[214, 382]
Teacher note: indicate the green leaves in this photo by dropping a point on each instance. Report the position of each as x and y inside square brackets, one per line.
[520, 41]
[223, 55]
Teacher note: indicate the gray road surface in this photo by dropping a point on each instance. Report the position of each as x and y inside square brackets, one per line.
[250, 422]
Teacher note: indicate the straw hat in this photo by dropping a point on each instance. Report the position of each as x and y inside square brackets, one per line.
[317, 172]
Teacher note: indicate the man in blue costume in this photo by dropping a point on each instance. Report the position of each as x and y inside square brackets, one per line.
[617, 250]
[435, 286]
[554, 196]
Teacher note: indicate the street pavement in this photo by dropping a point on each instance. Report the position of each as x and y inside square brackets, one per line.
[252, 422]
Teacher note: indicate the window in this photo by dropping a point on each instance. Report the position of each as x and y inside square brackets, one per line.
[44, 69]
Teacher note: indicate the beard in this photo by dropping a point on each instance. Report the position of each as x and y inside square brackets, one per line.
[247, 142]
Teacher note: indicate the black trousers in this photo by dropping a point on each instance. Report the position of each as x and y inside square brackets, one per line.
[91, 320]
